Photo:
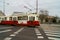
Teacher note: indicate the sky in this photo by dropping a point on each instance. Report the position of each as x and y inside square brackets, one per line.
[53, 6]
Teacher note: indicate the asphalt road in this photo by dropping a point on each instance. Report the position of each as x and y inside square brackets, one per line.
[43, 32]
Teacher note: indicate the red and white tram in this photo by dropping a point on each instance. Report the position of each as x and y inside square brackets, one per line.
[23, 20]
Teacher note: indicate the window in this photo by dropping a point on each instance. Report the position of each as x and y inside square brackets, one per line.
[31, 18]
[23, 18]
[14, 18]
[10, 18]
[5, 18]
[0, 18]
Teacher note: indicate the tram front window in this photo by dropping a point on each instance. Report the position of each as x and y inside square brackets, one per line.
[31, 18]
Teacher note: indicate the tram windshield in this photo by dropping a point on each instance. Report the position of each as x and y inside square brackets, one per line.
[31, 18]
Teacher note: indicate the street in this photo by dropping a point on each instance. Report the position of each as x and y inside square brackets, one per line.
[43, 32]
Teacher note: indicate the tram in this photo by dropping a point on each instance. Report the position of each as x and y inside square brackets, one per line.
[22, 20]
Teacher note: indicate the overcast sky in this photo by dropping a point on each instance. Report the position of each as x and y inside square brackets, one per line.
[53, 6]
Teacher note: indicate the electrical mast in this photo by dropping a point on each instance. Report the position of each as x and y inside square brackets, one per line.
[36, 6]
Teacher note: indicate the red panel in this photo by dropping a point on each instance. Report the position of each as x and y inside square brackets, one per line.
[9, 22]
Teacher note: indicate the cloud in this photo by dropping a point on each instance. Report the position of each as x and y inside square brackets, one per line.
[53, 6]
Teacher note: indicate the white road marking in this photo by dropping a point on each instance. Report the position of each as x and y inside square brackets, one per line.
[5, 27]
[53, 35]
[50, 38]
[37, 31]
[38, 34]
[40, 37]
[14, 34]
[8, 38]
[5, 31]
[19, 30]
[52, 31]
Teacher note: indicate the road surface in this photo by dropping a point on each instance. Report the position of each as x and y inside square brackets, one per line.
[43, 32]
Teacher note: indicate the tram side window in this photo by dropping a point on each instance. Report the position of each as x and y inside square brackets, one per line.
[14, 18]
[23, 18]
[19, 18]
[0, 18]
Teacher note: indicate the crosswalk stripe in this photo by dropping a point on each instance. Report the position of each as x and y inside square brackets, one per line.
[37, 31]
[6, 27]
[40, 37]
[52, 31]
[8, 38]
[38, 34]
[50, 38]
[53, 35]
[5, 31]
[12, 35]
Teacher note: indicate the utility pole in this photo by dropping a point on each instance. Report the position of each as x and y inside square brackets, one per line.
[36, 6]
[4, 6]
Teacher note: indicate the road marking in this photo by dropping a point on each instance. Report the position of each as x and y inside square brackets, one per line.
[5, 27]
[5, 31]
[53, 35]
[8, 38]
[14, 34]
[50, 38]
[39, 35]
[37, 31]
[52, 31]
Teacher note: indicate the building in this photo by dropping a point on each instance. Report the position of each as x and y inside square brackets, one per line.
[18, 13]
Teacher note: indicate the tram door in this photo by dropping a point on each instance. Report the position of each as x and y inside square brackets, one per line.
[31, 20]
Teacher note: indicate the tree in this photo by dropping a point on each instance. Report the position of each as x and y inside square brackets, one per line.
[43, 15]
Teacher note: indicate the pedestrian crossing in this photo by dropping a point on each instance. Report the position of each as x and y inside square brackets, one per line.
[54, 35]
[38, 34]
[5, 29]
